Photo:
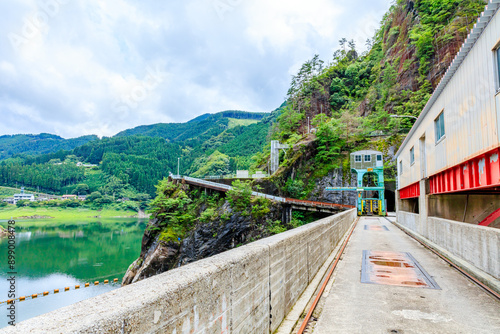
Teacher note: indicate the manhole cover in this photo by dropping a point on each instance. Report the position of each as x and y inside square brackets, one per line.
[392, 268]
[376, 228]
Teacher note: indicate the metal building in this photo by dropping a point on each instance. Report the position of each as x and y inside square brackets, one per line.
[369, 168]
[448, 165]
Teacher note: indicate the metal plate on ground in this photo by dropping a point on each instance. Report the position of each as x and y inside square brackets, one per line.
[376, 228]
[393, 268]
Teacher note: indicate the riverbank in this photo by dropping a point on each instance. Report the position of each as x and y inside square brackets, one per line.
[63, 213]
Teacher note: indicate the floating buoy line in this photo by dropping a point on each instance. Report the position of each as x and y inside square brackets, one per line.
[55, 291]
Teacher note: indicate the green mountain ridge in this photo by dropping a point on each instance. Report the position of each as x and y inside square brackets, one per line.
[31, 144]
[135, 160]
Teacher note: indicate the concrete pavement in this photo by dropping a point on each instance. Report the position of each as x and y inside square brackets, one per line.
[455, 305]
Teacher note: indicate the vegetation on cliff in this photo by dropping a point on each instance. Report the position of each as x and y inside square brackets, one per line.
[189, 224]
[348, 102]
[179, 209]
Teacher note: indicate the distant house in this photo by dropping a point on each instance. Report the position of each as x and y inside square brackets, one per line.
[82, 197]
[23, 196]
[9, 200]
[81, 164]
[259, 175]
[69, 197]
[242, 174]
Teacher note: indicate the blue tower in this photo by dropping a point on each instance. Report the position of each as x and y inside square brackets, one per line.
[369, 168]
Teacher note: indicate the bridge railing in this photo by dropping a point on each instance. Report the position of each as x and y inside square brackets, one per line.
[227, 188]
[220, 186]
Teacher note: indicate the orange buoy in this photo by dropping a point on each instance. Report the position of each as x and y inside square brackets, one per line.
[45, 293]
[10, 301]
[34, 295]
[96, 283]
[66, 288]
[77, 287]
[87, 284]
[56, 290]
[106, 281]
[115, 280]
[22, 298]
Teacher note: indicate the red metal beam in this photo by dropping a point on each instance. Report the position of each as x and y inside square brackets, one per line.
[411, 191]
[491, 218]
[482, 172]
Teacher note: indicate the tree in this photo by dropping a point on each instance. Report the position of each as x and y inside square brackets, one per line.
[94, 196]
[22, 203]
[81, 189]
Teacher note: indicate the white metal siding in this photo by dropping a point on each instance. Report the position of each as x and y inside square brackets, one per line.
[471, 113]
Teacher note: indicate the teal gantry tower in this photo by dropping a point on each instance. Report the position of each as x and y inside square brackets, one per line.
[369, 167]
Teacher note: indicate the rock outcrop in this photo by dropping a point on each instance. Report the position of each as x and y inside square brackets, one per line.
[228, 229]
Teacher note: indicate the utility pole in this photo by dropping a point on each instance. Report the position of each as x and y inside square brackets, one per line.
[178, 166]
[308, 128]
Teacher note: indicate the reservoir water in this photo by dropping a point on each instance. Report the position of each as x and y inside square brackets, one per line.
[54, 254]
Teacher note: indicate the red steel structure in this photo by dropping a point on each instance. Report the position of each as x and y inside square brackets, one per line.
[411, 191]
[481, 172]
[491, 218]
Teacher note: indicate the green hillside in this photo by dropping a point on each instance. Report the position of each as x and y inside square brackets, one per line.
[11, 145]
[133, 161]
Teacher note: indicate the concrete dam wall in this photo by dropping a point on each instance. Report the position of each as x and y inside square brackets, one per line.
[249, 289]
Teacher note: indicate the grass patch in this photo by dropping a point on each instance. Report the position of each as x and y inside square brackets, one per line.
[234, 122]
[65, 214]
[8, 192]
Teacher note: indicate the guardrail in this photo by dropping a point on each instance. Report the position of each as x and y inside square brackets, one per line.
[224, 187]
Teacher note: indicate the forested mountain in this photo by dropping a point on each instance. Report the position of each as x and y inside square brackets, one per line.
[205, 125]
[28, 144]
[136, 159]
[349, 99]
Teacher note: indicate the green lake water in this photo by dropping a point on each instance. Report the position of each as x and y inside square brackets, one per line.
[54, 254]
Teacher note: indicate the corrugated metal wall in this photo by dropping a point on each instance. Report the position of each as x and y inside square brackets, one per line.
[471, 110]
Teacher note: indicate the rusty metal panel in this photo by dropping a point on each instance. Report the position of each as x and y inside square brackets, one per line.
[378, 228]
[392, 268]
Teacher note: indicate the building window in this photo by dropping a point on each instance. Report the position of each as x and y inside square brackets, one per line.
[412, 155]
[379, 157]
[401, 167]
[439, 127]
[358, 158]
[497, 51]
[368, 158]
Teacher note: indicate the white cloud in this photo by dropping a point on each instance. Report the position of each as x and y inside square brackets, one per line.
[65, 65]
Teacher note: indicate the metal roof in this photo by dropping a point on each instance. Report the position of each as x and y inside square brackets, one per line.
[366, 152]
[471, 40]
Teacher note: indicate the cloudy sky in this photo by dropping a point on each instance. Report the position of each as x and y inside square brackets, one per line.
[75, 67]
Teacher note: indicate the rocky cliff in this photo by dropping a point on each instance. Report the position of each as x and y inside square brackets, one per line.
[189, 224]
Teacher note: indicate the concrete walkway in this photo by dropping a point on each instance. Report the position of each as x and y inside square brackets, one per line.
[456, 306]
